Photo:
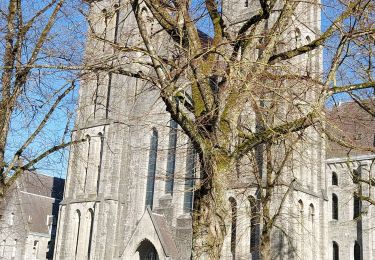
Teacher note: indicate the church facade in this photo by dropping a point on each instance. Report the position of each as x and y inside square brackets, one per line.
[130, 186]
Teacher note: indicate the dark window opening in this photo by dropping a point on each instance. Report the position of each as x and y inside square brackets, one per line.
[335, 248]
[189, 179]
[356, 207]
[78, 216]
[91, 232]
[233, 234]
[171, 159]
[334, 179]
[151, 169]
[147, 251]
[356, 176]
[100, 161]
[335, 208]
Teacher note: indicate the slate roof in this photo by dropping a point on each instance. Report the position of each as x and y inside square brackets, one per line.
[165, 235]
[350, 123]
[38, 196]
[43, 185]
[36, 209]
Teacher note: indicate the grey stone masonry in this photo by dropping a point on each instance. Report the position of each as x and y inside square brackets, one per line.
[129, 191]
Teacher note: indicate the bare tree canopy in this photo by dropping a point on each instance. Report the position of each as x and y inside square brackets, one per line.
[37, 38]
[243, 79]
[251, 85]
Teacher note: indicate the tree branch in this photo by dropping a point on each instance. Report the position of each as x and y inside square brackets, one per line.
[317, 42]
[275, 132]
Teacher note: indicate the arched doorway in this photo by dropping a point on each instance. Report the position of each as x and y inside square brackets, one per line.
[147, 251]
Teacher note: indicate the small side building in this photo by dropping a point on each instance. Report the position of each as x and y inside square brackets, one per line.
[351, 225]
[28, 217]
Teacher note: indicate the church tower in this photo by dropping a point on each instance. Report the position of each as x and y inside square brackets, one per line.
[95, 192]
[126, 178]
[129, 190]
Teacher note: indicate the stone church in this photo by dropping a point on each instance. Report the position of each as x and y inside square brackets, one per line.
[130, 186]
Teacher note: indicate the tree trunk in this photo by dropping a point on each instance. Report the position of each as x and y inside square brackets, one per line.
[210, 210]
[265, 244]
[5, 98]
[265, 240]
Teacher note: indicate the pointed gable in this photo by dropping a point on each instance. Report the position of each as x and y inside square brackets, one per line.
[154, 228]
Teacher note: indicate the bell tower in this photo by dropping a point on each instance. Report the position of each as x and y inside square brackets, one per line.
[94, 193]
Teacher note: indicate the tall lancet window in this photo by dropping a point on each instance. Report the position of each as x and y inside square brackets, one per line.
[309, 58]
[189, 179]
[88, 147]
[312, 230]
[90, 218]
[151, 168]
[171, 160]
[77, 219]
[356, 176]
[334, 179]
[233, 233]
[297, 37]
[301, 225]
[100, 134]
[335, 207]
[335, 249]
[356, 207]
[14, 249]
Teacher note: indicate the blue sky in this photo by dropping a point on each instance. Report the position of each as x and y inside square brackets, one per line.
[65, 46]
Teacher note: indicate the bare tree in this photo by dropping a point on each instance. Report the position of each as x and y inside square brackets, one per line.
[35, 92]
[243, 89]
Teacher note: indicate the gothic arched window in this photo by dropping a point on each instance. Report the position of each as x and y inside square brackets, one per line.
[150, 185]
[100, 134]
[311, 231]
[77, 226]
[335, 251]
[189, 179]
[298, 37]
[334, 179]
[356, 176]
[301, 223]
[356, 207]
[171, 159]
[14, 249]
[311, 216]
[300, 207]
[88, 148]
[309, 57]
[335, 207]
[233, 233]
[91, 227]
[11, 219]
